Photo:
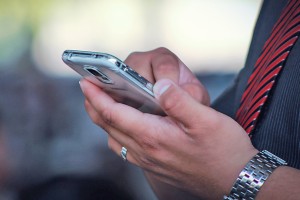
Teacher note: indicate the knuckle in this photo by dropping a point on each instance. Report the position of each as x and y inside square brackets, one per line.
[110, 143]
[148, 144]
[105, 127]
[96, 119]
[167, 64]
[108, 116]
[146, 162]
[165, 61]
[162, 50]
[150, 141]
[153, 148]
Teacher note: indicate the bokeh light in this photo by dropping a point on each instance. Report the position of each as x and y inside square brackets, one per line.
[207, 35]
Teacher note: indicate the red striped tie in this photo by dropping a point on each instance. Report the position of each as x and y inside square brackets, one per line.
[268, 66]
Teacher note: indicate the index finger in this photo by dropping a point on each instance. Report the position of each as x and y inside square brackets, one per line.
[120, 116]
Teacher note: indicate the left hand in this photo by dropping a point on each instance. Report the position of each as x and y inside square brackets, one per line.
[194, 148]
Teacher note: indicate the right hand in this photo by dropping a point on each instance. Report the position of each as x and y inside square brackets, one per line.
[161, 63]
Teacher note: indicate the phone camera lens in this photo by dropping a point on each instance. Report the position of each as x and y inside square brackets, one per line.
[98, 74]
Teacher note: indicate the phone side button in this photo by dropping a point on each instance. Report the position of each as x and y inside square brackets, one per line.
[149, 86]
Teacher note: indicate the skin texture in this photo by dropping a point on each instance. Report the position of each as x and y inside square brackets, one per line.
[194, 152]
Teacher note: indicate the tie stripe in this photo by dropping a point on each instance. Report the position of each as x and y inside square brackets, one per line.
[269, 65]
[262, 61]
[269, 47]
[259, 62]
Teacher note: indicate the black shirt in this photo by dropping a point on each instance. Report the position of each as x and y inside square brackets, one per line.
[278, 128]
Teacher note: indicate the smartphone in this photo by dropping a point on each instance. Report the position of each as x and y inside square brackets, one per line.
[116, 78]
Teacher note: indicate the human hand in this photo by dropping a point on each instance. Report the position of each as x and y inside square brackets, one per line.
[162, 63]
[194, 148]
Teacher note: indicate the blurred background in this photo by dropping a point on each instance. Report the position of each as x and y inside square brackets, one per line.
[47, 141]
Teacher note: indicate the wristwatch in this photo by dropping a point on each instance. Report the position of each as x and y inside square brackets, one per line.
[253, 176]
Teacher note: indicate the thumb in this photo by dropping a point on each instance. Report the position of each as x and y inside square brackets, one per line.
[178, 104]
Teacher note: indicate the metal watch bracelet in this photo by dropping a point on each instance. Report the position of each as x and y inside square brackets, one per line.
[253, 176]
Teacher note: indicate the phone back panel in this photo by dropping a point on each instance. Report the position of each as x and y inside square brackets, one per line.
[116, 78]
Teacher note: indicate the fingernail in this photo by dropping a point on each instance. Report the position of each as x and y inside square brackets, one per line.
[81, 86]
[161, 87]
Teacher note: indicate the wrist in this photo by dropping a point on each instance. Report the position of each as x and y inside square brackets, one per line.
[253, 175]
[237, 164]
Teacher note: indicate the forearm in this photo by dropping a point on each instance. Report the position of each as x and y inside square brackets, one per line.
[284, 183]
[165, 191]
